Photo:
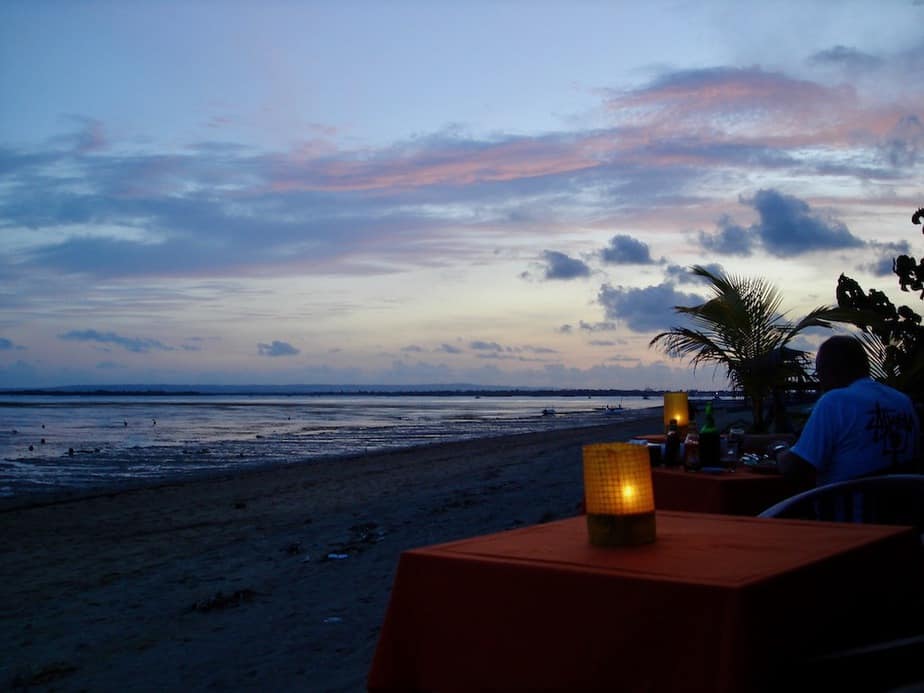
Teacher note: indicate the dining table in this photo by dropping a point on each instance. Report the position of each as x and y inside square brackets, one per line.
[741, 491]
[715, 603]
[732, 489]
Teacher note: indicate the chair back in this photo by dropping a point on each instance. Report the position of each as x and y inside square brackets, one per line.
[892, 499]
[890, 654]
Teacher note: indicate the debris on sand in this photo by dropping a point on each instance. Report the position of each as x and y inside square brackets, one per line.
[224, 601]
[362, 536]
[47, 674]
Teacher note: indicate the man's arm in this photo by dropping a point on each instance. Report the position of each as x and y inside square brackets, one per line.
[795, 468]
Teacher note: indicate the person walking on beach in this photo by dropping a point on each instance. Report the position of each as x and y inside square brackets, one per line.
[858, 427]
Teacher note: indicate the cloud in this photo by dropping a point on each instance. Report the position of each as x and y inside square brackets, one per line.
[6, 344]
[625, 250]
[449, 349]
[645, 310]
[903, 145]
[109, 209]
[683, 275]
[133, 344]
[560, 266]
[850, 59]
[729, 239]
[523, 353]
[886, 252]
[277, 348]
[486, 346]
[606, 326]
[787, 226]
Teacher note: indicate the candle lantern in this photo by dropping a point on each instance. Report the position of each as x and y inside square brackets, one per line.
[676, 407]
[618, 494]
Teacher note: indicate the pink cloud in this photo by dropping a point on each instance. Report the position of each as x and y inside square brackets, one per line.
[708, 118]
[447, 164]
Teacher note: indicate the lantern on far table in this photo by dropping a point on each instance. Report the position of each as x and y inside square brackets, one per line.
[676, 408]
[618, 494]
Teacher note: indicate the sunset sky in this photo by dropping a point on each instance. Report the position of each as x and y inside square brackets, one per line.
[492, 193]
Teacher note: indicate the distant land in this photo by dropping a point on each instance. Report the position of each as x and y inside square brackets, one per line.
[456, 389]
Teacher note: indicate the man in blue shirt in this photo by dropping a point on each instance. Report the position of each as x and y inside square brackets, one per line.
[858, 427]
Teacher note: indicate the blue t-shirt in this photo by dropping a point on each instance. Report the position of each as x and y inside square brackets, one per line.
[860, 429]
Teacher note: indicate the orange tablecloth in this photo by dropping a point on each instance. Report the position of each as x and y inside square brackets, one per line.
[707, 607]
[741, 492]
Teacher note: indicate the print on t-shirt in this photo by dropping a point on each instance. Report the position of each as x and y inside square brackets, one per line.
[892, 429]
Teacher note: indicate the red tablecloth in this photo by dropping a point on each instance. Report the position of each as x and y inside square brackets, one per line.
[741, 492]
[714, 602]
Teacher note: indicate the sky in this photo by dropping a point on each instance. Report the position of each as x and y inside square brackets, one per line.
[489, 193]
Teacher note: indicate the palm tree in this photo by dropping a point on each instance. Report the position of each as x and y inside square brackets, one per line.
[741, 328]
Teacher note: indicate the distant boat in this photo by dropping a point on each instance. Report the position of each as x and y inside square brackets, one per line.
[548, 412]
[612, 410]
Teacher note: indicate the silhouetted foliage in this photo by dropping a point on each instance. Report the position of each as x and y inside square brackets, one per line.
[742, 329]
[894, 336]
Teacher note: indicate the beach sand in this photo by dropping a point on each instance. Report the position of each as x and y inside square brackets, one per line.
[273, 580]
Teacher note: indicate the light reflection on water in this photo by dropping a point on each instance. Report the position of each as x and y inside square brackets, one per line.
[129, 439]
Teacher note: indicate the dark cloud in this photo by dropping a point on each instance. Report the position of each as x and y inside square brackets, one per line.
[682, 275]
[851, 59]
[449, 349]
[645, 310]
[905, 142]
[6, 344]
[560, 266]
[625, 250]
[493, 350]
[598, 326]
[413, 348]
[728, 239]
[486, 346]
[788, 226]
[277, 348]
[134, 344]
[538, 350]
[886, 252]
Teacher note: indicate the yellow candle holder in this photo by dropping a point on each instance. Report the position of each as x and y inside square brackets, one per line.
[677, 408]
[618, 494]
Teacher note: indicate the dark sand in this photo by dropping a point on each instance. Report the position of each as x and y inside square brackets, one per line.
[227, 584]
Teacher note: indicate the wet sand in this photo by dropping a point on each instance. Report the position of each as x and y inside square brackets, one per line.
[273, 580]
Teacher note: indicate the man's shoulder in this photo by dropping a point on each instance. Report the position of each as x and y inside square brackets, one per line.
[870, 385]
[867, 388]
[860, 391]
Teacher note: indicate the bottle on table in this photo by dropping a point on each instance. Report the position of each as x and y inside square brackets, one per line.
[672, 445]
[735, 442]
[691, 451]
[710, 443]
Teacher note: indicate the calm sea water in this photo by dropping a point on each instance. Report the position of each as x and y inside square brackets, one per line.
[56, 443]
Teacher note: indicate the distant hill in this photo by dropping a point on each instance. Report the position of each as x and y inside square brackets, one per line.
[323, 389]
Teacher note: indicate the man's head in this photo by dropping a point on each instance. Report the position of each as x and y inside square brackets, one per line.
[840, 361]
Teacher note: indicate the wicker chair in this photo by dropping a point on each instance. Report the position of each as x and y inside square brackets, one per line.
[893, 499]
[890, 658]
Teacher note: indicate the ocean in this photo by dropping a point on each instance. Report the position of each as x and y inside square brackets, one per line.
[55, 443]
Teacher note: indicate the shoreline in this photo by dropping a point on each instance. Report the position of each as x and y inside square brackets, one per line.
[57, 495]
[271, 579]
